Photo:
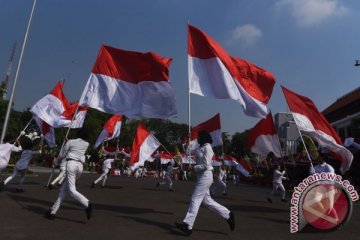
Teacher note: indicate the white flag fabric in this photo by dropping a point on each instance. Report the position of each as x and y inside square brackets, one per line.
[110, 130]
[311, 122]
[144, 145]
[214, 73]
[130, 83]
[47, 131]
[263, 139]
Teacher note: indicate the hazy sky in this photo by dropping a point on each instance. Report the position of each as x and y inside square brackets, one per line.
[309, 45]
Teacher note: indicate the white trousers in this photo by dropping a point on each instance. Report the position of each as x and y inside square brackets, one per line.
[218, 184]
[15, 172]
[277, 186]
[167, 181]
[102, 177]
[201, 195]
[60, 178]
[73, 172]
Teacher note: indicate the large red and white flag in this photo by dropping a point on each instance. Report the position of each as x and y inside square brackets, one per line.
[215, 73]
[55, 109]
[130, 83]
[263, 139]
[110, 130]
[213, 126]
[47, 131]
[144, 145]
[311, 122]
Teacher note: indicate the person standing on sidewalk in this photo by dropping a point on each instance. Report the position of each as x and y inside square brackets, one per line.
[201, 194]
[74, 151]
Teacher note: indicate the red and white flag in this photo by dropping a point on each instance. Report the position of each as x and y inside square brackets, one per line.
[311, 122]
[214, 73]
[263, 139]
[55, 109]
[47, 131]
[213, 126]
[110, 130]
[130, 83]
[144, 145]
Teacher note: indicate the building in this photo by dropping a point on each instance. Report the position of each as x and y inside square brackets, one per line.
[344, 114]
[287, 132]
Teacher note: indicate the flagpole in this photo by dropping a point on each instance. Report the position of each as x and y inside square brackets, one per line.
[27, 125]
[189, 107]
[16, 75]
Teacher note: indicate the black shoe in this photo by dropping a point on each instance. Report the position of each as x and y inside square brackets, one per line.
[283, 200]
[157, 185]
[231, 221]
[184, 227]
[88, 211]
[170, 190]
[19, 190]
[224, 193]
[51, 186]
[49, 215]
[93, 185]
[2, 185]
[269, 200]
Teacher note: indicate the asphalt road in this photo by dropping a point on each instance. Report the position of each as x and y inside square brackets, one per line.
[132, 208]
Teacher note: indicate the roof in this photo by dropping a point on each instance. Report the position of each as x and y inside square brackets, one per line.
[343, 101]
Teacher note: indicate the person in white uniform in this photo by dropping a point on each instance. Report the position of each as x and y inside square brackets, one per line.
[219, 182]
[22, 164]
[60, 178]
[168, 173]
[74, 151]
[105, 171]
[278, 177]
[201, 194]
[5, 152]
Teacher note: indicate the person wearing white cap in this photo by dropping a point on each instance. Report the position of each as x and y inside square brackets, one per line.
[74, 151]
[278, 177]
[168, 173]
[105, 171]
[201, 194]
[22, 164]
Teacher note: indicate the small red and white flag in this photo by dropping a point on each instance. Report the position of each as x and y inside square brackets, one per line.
[144, 145]
[47, 131]
[263, 139]
[212, 126]
[130, 83]
[110, 130]
[214, 73]
[55, 109]
[311, 122]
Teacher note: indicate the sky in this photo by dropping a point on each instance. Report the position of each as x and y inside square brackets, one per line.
[309, 45]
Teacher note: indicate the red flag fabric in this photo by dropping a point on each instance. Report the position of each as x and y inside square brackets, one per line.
[130, 83]
[47, 131]
[263, 139]
[311, 122]
[144, 145]
[110, 130]
[215, 73]
[213, 126]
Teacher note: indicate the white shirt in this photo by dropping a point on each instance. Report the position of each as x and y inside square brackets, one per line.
[74, 149]
[5, 152]
[221, 174]
[278, 176]
[107, 163]
[25, 158]
[203, 158]
[323, 167]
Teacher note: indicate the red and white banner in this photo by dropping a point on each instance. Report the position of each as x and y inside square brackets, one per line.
[213, 126]
[214, 73]
[130, 83]
[263, 139]
[55, 109]
[47, 131]
[312, 123]
[110, 130]
[144, 145]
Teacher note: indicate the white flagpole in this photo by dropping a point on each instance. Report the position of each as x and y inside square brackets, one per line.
[27, 125]
[189, 110]
[16, 75]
